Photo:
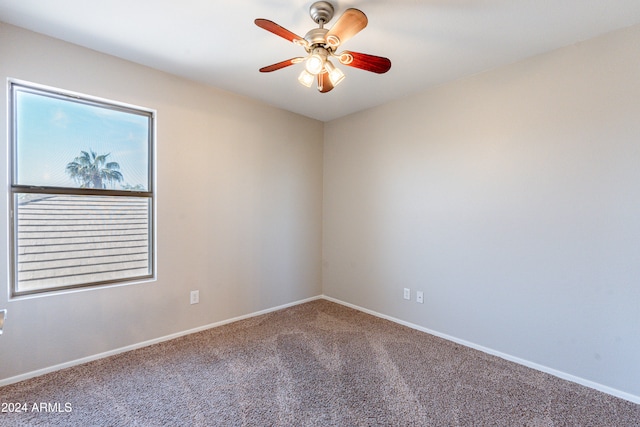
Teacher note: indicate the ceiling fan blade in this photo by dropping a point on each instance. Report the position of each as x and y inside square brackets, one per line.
[348, 25]
[324, 84]
[280, 65]
[375, 64]
[280, 31]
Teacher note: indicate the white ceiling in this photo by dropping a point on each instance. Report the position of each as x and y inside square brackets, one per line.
[216, 42]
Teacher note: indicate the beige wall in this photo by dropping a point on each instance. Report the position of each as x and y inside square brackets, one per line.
[512, 199]
[238, 210]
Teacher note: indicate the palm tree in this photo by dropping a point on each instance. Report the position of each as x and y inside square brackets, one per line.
[93, 171]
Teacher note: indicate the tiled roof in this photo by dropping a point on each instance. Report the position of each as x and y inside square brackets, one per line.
[67, 240]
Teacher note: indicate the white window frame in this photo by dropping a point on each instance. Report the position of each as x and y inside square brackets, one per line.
[14, 86]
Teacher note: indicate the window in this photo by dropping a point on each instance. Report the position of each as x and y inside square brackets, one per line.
[82, 194]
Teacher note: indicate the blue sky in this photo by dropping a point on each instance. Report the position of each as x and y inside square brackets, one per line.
[52, 132]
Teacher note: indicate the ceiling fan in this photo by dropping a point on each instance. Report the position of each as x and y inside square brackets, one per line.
[321, 44]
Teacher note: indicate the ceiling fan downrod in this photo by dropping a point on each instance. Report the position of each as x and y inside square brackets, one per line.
[321, 12]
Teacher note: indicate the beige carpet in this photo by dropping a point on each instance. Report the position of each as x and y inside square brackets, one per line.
[317, 364]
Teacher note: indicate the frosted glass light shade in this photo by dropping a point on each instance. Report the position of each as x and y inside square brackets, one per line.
[335, 74]
[306, 78]
[314, 64]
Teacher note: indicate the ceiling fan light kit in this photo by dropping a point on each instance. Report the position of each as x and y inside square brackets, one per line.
[321, 44]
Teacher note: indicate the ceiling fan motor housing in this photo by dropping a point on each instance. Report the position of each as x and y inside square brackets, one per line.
[316, 36]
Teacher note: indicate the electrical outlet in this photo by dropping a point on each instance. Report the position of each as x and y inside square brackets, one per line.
[420, 297]
[195, 297]
[3, 315]
[407, 293]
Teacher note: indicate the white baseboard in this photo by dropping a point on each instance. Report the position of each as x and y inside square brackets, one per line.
[556, 373]
[75, 362]
[563, 375]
